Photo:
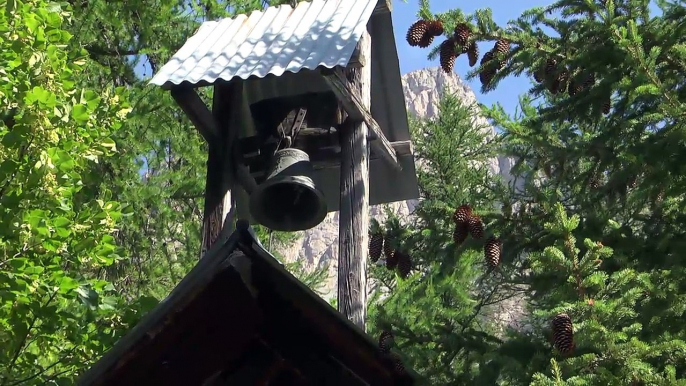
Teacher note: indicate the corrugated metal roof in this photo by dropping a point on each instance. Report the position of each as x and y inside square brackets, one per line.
[283, 41]
[272, 41]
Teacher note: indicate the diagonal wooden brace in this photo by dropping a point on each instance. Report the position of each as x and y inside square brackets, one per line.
[196, 110]
[352, 103]
[206, 123]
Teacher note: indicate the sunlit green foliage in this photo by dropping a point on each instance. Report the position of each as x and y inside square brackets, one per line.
[101, 177]
[55, 234]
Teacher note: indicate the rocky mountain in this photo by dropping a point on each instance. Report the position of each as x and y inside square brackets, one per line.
[318, 247]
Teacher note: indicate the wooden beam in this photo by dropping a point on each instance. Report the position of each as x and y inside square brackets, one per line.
[352, 103]
[353, 217]
[220, 203]
[330, 158]
[382, 6]
[196, 110]
[217, 191]
[355, 60]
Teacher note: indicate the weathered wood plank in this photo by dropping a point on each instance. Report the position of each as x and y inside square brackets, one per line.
[382, 6]
[352, 103]
[220, 205]
[355, 60]
[330, 158]
[225, 199]
[354, 205]
[212, 221]
[237, 177]
[196, 110]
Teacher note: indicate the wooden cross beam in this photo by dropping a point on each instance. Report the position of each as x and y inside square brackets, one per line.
[206, 124]
[197, 111]
[352, 103]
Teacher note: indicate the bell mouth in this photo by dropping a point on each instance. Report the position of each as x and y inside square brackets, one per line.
[288, 204]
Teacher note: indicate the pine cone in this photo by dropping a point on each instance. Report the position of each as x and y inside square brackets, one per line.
[462, 214]
[386, 341]
[607, 105]
[550, 67]
[462, 34]
[404, 264]
[388, 250]
[392, 262]
[563, 333]
[502, 46]
[447, 55]
[553, 86]
[487, 75]
[660, 197]
[594, 182]
[473, 54]
[460, 233]
[425, 41]
[398, 366]
[375, 246]
[492, 251]
[589, 81]
[434, 28]
[416, 32]
[476, 227]
[539, 76]
[488, 56]
[560, 83]
[574, 88]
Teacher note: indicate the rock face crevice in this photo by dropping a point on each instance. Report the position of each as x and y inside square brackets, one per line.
[318, 247]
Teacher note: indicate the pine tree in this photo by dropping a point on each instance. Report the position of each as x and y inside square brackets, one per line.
[597, 222]
[435, 314]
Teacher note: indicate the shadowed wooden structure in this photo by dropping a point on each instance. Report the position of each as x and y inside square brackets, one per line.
[239, 318]
[320, 80]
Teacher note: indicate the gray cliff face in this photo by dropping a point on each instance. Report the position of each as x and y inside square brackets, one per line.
[423, 90]
[318, 247]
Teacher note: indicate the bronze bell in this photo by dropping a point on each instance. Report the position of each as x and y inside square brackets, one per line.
[288, 199]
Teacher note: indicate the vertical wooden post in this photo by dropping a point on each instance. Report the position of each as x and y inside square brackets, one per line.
[220, 204]
[215, 198]
[354, 209]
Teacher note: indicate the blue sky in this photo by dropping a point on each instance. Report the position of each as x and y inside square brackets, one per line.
[413, 58]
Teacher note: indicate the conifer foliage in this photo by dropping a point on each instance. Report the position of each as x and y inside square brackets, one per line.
[594, 223]
[434, 313]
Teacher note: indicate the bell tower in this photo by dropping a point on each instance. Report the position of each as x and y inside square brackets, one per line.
[308, 117]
